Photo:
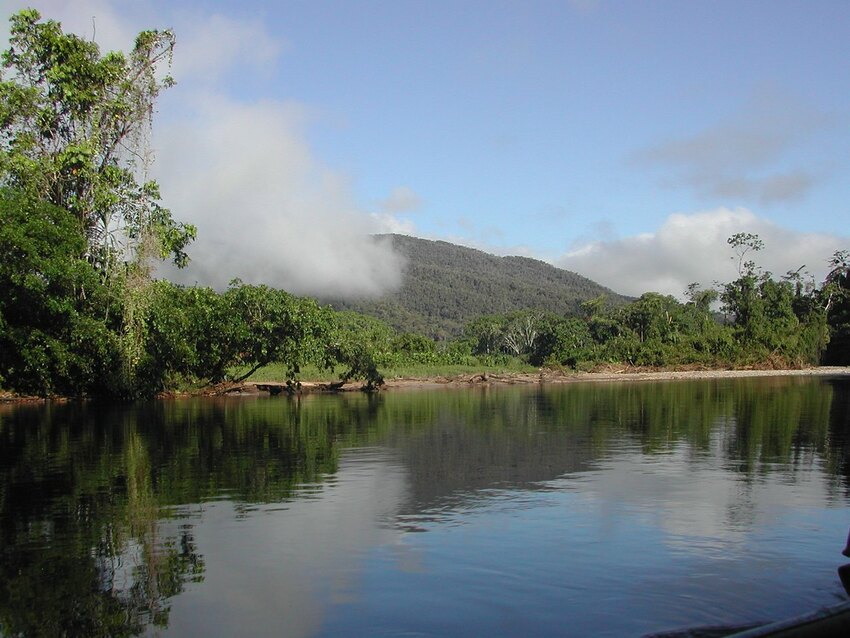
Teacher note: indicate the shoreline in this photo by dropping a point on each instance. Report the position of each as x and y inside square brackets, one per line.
[549, 377]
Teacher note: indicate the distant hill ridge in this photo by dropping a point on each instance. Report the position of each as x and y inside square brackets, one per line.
[446, 285]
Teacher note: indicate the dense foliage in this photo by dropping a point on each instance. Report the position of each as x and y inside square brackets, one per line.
[836, 294]
[58, 330]
[73, 132]
[85, 221]
[81, 315]
[766, 322]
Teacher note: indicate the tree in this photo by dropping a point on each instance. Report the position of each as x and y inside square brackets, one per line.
[710, 341]
[410, 347]
[835, 294]
[520, 332]
[701, 300]
[57, 321]
[743, 244]
[563, 341]
[74, 129]
[653, 316]
[359, 344]
[741, 298]
[73, 132]
[484, 333]
[273, 326]
[776, 322]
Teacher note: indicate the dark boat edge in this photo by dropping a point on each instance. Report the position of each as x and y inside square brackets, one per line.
[833, 621]
[826, 622]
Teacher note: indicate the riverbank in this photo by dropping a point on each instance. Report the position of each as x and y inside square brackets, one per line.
[545, 376]
[523, 378]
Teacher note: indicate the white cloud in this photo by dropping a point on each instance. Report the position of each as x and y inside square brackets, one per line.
[402, 199]
[389, 223]
[267, 210]
[745, 158]
[215, 45]
[89, 19]
[692, 248]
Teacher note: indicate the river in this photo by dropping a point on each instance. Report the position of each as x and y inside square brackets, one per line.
[603, 509]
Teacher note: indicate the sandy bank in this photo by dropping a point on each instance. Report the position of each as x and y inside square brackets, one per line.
[484, 379]
[543, 376]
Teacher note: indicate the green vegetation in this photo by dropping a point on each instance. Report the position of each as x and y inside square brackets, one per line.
[73, 130]
[836, 296]
[445, 286]
[81, 315]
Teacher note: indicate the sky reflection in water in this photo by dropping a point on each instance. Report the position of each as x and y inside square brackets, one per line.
[579, 510]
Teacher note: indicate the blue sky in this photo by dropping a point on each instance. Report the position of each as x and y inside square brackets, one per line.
[622, 140]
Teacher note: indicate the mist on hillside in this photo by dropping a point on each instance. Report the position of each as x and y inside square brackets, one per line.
[266, 210]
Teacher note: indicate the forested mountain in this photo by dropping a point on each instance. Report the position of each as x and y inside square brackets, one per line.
[446, 285]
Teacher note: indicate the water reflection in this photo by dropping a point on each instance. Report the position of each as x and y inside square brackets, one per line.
[275, 574]
[83, 552]
[270, 516]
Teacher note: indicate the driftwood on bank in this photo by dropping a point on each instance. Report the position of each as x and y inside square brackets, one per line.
[542, 376]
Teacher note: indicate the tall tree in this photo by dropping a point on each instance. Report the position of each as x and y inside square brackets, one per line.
[836, 300]
[74, 126]
[74, 131]
[775, 322]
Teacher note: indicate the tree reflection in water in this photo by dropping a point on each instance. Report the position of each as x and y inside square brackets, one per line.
[94, 539]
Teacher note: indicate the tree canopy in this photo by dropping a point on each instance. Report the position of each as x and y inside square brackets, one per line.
[74, 128]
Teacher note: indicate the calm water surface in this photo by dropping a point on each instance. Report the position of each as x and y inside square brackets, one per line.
[587, 510]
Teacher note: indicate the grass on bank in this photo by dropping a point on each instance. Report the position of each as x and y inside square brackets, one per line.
[277, 372]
